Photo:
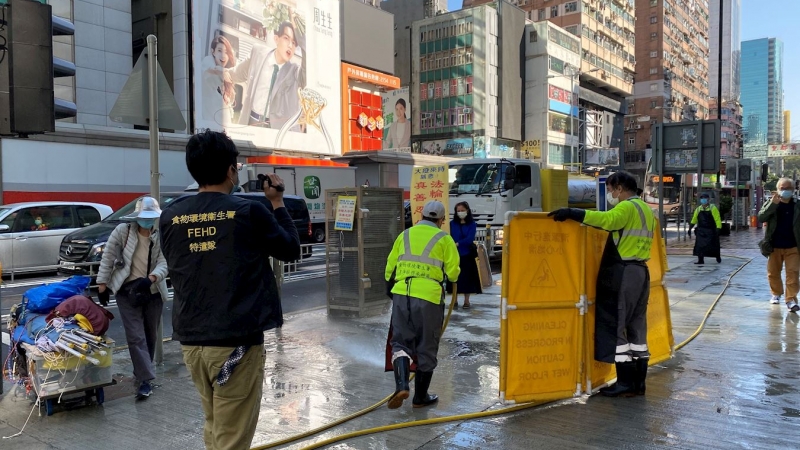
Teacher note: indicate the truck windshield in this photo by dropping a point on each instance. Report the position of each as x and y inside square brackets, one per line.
[477, 178]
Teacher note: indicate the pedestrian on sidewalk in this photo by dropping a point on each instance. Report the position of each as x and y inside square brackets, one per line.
[783, 233]
[706, 218]
[463, 229]
[134, 268]
[421, 258]
[218, 247]
[623, 282]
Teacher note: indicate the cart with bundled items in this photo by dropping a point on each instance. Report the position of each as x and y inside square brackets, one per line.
[58, 339]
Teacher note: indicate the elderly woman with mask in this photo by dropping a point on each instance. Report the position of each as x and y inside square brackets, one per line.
[134, 269]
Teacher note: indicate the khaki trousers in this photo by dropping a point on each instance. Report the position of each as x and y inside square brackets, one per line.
[777, 259]
[231, 410]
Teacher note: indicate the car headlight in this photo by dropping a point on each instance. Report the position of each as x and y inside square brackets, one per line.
[96, 253]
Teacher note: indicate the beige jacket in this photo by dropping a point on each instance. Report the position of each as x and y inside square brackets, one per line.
[116, 249]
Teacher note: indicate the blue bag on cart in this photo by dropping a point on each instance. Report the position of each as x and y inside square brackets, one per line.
[44, 298]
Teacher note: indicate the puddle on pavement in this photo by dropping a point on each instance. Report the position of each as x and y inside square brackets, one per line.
[775, 388]
[790, 412]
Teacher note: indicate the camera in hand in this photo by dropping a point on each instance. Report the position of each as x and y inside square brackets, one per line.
[262, 179]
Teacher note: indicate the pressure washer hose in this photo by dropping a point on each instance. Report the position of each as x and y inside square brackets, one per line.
[461, 417]
[356, 414]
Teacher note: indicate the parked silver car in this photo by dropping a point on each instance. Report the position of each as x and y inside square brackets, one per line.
[31, 233]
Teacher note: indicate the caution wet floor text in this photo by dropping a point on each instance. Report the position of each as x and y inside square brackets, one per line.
[547, 317]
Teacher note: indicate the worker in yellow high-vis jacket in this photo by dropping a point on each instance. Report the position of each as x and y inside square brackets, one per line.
[623, 283]
[419, 262]
[708, 222]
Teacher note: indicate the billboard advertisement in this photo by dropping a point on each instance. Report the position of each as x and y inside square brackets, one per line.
[458, 148]
[397, 120]
[268, 72]
[602, 156]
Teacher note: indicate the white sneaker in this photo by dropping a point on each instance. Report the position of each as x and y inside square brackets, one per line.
[792, 305]
[776, 299]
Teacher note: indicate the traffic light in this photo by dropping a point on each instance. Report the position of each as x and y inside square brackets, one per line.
[764, 172]
[27, 68]
[744, 173]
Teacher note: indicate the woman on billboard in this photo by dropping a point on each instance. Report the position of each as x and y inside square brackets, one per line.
[218, 94]
[399, 133]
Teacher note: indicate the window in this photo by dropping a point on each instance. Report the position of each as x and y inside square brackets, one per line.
[53, 218]
[439, 119]
[654, 54]
[541, 14]
[430, 90]
[653, 70]
[653, 87]
[438, 90]
[9, 222]
[87, 216]
[423, 91]
[445, 88]
[469, 85]
[570, 7]
[522, 180]
[653, 2]
[453, 86]
[632, 141]
[653, 104]
[533, 36]
[554, 11]
[461, 87]
[653, 19]
[653, 36]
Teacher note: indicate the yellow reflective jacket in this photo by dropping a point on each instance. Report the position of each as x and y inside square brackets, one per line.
[632, 223]
[714, 213]
[422, 255]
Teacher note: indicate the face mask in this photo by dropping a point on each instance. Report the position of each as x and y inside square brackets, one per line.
[611, 199]
[37, 222]
[786, 195]
[703, 201]
[462, 214]
[234, 184]
[146, 223]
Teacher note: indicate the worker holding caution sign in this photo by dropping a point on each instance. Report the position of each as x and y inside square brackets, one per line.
[623, 283]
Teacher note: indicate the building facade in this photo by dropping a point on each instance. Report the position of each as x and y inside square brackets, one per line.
[762, 91]
[731, 139]
[605, 32]
[467, 84]
[672, 52]
[731, 48]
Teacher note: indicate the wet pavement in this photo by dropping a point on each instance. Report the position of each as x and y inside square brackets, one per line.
[734, 386]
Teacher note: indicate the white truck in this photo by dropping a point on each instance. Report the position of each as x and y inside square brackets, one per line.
[309, 182]
[494, 186]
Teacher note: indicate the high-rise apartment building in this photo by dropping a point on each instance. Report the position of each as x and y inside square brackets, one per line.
[606, 34]
[762, 91]
[466, 90]
[731, 48]
[672, 48]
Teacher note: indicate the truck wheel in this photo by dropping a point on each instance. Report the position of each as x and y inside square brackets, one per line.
[319, 235]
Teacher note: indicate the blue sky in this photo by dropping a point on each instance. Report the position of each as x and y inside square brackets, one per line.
[777, 18]
[765, 18]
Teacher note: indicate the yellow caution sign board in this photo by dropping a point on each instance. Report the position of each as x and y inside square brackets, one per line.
[547, 313]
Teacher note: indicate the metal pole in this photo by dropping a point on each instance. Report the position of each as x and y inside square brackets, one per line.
[152, 90]
[662, 160]
[572, 115]
[699, 158]
[719, 66]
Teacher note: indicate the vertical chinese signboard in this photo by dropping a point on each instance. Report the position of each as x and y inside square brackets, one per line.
[429, 183]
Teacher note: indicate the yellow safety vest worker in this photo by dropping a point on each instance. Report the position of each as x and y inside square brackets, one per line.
[633, 223]
[714, 213]
[422, 255]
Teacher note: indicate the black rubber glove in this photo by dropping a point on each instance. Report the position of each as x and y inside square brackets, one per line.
[104, 297]
[143, 284]
[562, 214]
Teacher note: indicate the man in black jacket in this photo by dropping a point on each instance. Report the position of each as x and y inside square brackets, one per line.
[217, 248]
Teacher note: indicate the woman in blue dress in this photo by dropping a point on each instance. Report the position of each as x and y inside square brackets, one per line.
[463, 229]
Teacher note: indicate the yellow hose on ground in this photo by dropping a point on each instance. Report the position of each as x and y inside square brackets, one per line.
[468, 416]
[356, 414]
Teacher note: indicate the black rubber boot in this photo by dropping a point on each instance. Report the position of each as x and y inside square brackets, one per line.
[700, 261]
[421, 396]
[402, 367]
[641, 374]
[626, 379]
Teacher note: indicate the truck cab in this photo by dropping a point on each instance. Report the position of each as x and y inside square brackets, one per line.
[493, 187]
